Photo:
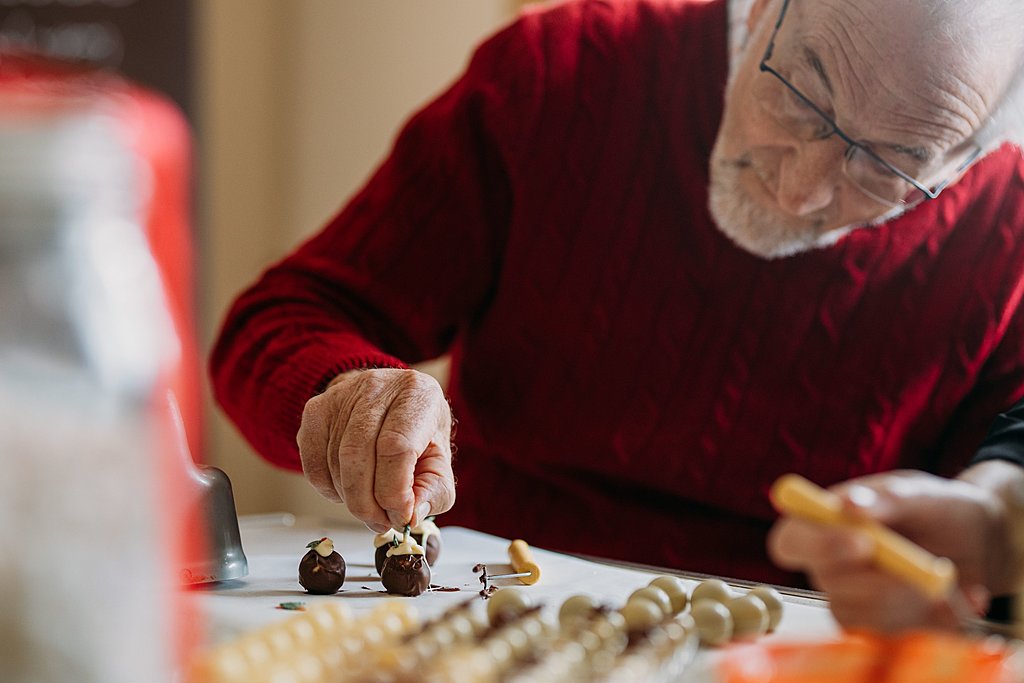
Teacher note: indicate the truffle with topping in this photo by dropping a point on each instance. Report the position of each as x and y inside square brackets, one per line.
[382, 543]
[322, 569]
[427, 535]
[406, 570]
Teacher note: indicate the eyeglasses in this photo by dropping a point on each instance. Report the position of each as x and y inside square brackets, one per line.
[867, 169]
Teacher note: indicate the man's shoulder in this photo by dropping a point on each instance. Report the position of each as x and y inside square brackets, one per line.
[1001, 174]
[622, 18]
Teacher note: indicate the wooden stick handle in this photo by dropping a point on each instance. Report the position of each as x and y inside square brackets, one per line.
[934, 576]
[521, 557]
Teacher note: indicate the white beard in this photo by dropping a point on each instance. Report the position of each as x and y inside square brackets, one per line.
[754, 228]
[763, 232]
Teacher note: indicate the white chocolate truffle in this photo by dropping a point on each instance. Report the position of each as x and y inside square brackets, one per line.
[424, 529]
[505, 603]
[713, 620]
[641, 615]
[676, 590]
[462, 627]
[655, 595]
[711, 589]
[575, 607]
[749, 617]
[773, 601]
[406, 547]
[386, 538]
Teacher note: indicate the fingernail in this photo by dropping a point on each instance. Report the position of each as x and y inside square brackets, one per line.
[862, 496]
[376, 528]
[396, 522]
[422, 511]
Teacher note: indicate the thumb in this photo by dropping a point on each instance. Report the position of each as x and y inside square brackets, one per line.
[434, 481]
[864, 503]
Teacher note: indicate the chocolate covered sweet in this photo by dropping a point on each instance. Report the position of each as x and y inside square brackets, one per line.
[382, 543]
[322, 569]
[428, 536]
[406, 570]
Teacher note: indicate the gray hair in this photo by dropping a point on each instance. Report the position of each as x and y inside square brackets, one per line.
[1006, 122]
[974, 26]
[959, 23]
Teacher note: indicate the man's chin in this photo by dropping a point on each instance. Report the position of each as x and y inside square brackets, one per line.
[761, 233]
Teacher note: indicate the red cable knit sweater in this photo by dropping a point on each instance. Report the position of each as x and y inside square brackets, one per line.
[627, 381]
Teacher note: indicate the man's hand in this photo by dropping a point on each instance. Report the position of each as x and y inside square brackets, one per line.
[954, 518]
[380, 441]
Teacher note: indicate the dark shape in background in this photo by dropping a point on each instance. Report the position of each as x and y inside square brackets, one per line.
[149, 41]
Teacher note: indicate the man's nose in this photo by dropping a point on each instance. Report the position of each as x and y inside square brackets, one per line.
[809, 177]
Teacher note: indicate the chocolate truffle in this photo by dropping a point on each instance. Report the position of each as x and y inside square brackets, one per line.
[428, 536]
[384, 542]
[406, 570]
[322, 569]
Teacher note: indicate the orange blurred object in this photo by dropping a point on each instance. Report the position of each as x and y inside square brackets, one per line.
[921, 657]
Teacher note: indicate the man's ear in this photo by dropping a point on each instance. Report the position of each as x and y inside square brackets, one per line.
[757, 9]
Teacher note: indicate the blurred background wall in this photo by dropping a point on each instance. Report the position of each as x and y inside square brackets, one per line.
[297, 101]
[292, 104]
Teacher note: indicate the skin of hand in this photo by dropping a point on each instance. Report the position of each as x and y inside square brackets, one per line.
[967, 519]
[380, 441]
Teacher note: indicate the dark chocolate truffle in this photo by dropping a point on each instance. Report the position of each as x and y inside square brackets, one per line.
[406, 571]
[382, 543]
[379, 556]
[432, 548]
[322, 569]
[433, 545]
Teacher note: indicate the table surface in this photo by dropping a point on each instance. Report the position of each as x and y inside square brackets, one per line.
[274, 544]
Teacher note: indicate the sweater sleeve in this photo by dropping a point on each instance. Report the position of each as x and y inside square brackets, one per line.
[393, 277]
[1005, 440]
[1000, 382]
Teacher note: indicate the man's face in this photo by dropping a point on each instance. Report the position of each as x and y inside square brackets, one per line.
[869, 66]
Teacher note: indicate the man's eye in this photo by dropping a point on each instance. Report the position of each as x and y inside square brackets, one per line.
[877, 166]
[799, 103]
[822, 129]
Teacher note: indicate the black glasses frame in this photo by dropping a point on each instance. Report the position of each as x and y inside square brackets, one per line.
[852, 144]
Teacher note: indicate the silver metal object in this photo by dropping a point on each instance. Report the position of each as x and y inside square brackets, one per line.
[219, 555]
[486, 578]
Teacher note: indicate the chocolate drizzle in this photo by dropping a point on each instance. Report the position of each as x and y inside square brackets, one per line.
[406, 574]
[432, 548]
[321, 575]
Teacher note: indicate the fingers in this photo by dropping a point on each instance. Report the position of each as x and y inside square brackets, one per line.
[380, 442]
[869, 499]
[800, 545]
[867, 598]
[312, 440]
[413, 453]
[839, 562]
[434, 484]
[355, 455]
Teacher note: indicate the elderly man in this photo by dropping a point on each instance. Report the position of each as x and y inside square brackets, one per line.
[662, 287]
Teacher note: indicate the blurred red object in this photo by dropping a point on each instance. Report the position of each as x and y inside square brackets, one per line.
[157, 132]
[157, 139]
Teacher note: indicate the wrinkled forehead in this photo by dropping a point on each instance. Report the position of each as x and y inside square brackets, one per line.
[892, 56]
[902, 41]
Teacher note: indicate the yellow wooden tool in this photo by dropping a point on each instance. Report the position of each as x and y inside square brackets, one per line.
[934, 576]
[521, 557]
[524, 567]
